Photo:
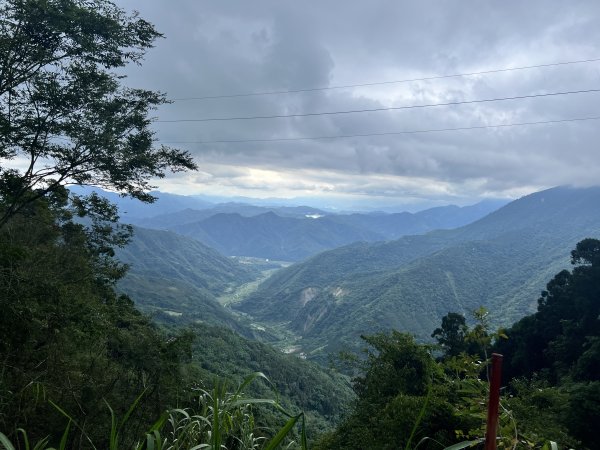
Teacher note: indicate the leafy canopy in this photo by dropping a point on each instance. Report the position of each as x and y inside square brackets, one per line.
[65, 115]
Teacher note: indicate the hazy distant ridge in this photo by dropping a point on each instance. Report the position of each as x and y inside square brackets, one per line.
[295, 233]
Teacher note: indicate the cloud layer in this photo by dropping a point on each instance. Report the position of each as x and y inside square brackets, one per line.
[225, 47]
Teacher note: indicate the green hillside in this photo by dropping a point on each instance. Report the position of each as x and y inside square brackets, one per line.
[180, 276]
[302, 385]
[500, 262]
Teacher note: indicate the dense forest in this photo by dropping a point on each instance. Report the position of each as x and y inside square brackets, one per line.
[82, 367]
[550, 372]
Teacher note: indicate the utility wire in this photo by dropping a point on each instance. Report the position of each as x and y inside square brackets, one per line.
[408, 80]
[392, 133]
[391, 108]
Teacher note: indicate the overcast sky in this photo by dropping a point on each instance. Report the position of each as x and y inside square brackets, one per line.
[221, 47]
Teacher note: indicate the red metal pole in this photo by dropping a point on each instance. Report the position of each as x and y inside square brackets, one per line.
[494, 403]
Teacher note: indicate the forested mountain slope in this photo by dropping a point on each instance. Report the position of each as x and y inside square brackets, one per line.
[501, 262]
[324, 395]
[173, 273]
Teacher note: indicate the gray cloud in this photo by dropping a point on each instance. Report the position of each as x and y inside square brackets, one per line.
[228, 47]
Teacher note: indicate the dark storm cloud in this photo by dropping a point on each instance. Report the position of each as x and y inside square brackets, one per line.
[226, 47]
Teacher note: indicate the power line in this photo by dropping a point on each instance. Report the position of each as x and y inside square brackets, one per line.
[391, 133]
[380, 83]
[391, 108]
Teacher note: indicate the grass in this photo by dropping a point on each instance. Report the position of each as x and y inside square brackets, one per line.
[220, 420]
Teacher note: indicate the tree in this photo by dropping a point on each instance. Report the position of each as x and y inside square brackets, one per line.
[560, 339]
[67, 336]
[451, 335]
[65, 115]
[67, 118]
[586, 252]
[560, 343]
[401, 385]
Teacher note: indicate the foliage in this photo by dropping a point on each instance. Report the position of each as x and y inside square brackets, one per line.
[560, 341]
[64, 110]
[218, 420]
[406, 398]
[542, 411]
[224, 420]
[66, 336]
[401, 385]
[451, 335]
[322, 394]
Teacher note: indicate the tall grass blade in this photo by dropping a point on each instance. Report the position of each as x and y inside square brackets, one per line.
[25, 437]
[464, 444]
[113, 428]
[63, 440]
[5, 442]
[249, 379]
[303, 440]
[280, 436]
[150, 439]
[419, 418]
[216, 429]
[131, 409]
[158, 425]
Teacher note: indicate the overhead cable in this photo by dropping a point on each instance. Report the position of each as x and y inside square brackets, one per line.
[380, 83]
[391, 133]
[391, 108]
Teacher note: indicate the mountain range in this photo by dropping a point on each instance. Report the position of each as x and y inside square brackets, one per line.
[501, 262]
[295, 233]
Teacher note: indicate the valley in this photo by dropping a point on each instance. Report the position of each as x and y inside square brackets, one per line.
[321, 305]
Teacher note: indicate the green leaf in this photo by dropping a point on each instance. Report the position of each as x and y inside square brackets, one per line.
[464, 444]
[25, 437]
[420, 417]
[6, 442]
[113, 428]
[63, 441]
[303, 440]
[131, 409]
[280, 436]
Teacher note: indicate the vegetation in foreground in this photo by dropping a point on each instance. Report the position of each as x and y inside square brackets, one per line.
[74, 351]
[552, 362]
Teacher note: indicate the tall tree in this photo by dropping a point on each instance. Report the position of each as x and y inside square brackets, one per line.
[65, 115]
[67, 118]
[561, 338]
